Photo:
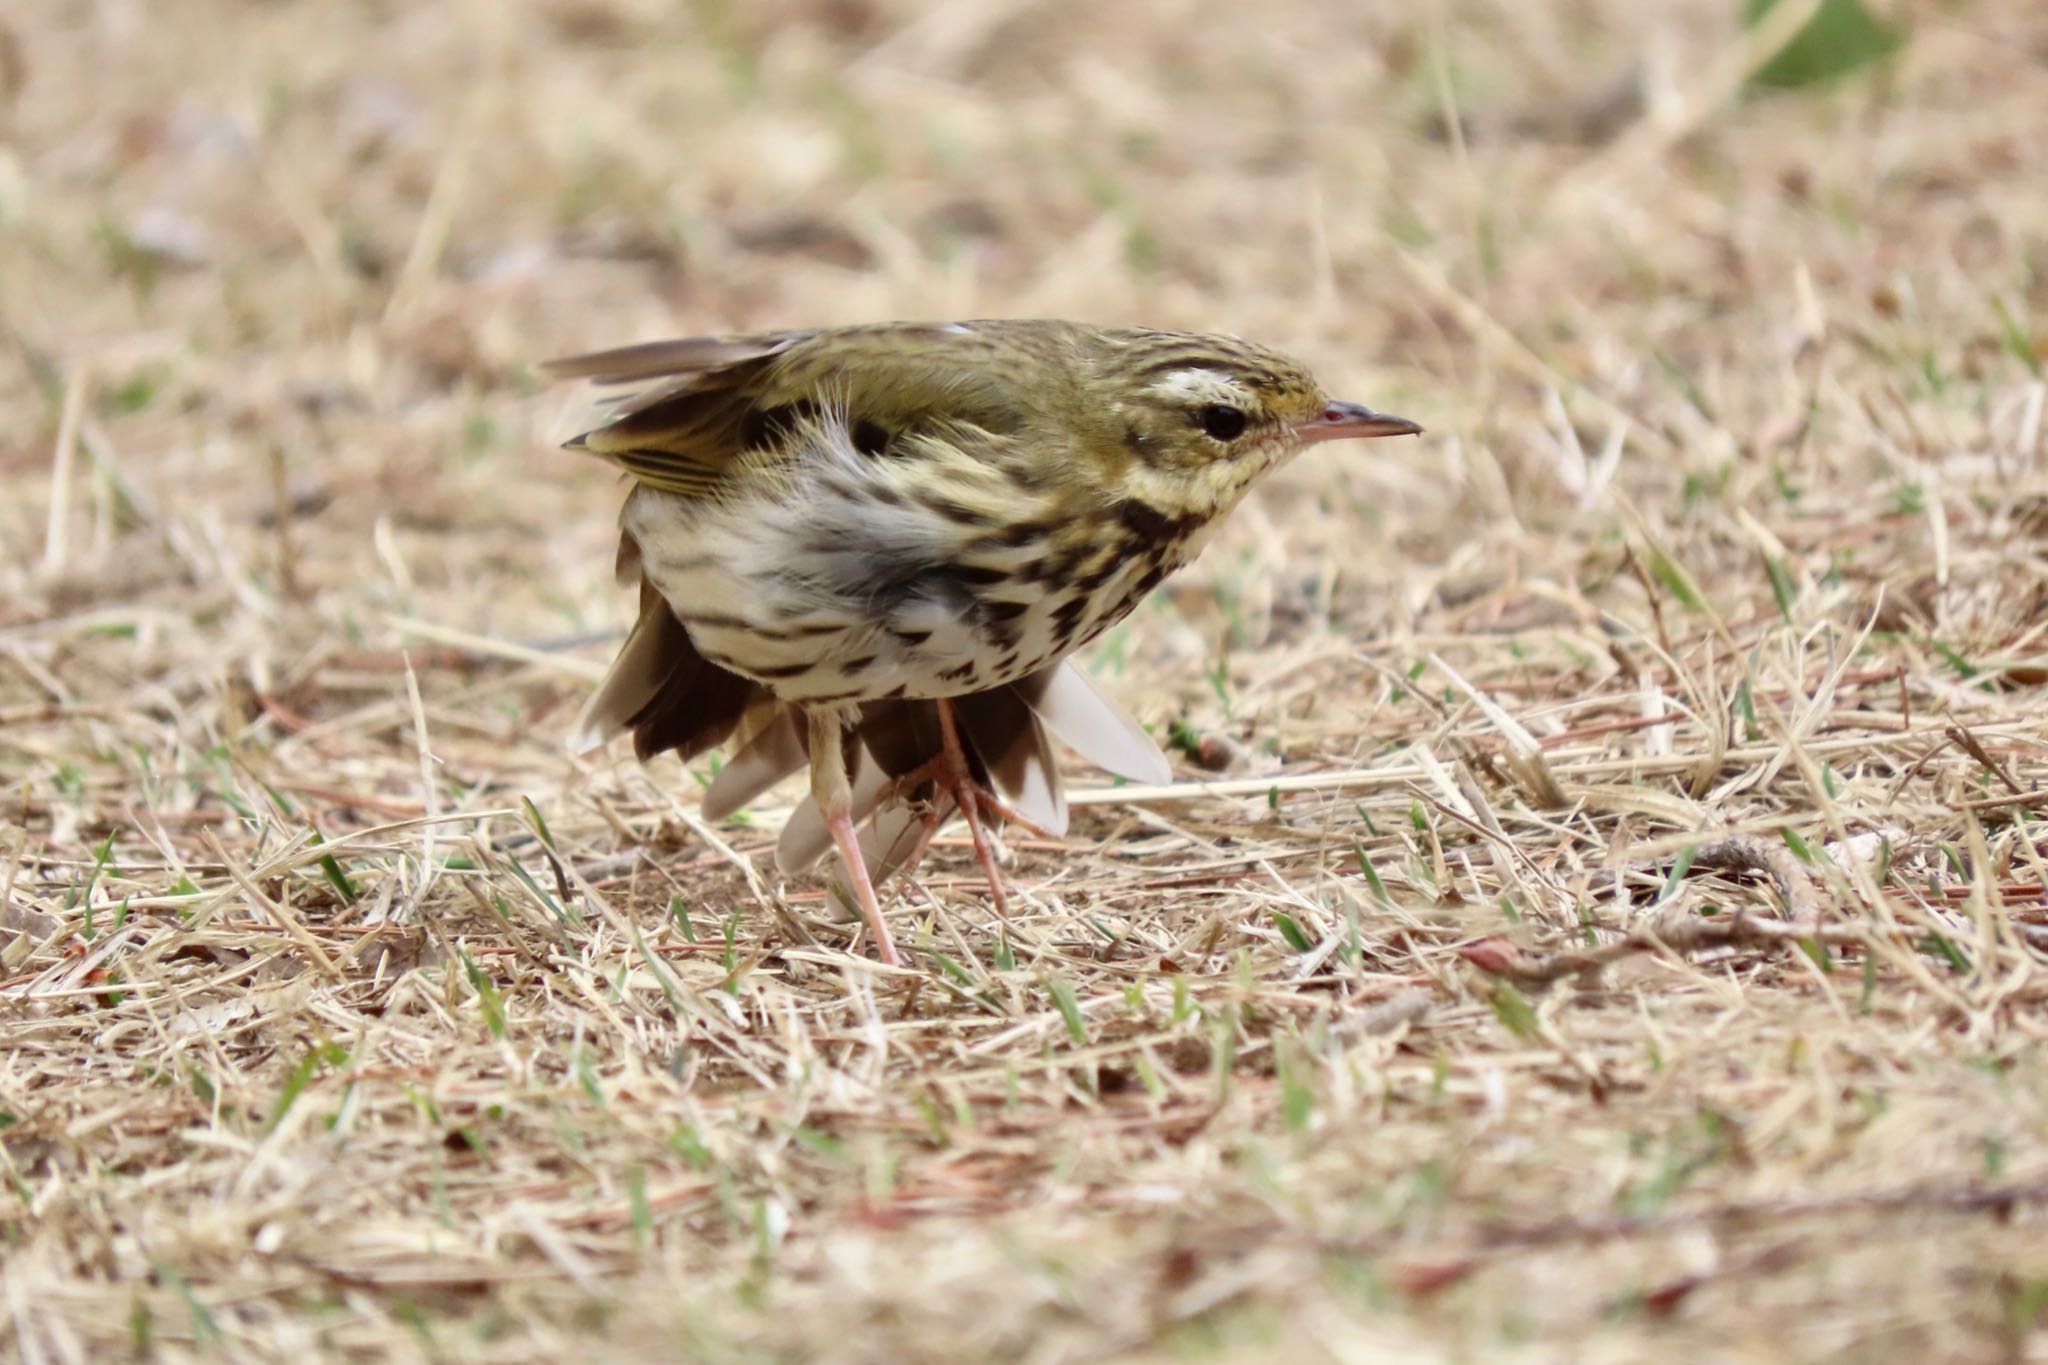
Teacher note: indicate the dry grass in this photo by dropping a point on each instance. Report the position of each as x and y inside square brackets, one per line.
[1619, 928]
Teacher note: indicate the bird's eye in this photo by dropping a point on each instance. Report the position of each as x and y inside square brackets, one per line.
[1222, 421]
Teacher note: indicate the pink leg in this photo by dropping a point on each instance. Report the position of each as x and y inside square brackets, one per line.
[950, 769]
[840, 822]
[834, 795]
[958, 778]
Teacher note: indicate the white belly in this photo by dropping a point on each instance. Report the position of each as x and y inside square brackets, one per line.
[834, 599]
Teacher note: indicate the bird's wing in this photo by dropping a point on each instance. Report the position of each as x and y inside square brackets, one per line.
[668, 359]
[692, 412]
[664, 691]
[1007, 742]
[637, 673]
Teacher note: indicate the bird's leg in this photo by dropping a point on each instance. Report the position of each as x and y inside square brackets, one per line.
[950, 769]
[833, 791]
[957, 777]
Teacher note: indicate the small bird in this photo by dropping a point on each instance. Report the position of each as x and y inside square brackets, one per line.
[872, 549]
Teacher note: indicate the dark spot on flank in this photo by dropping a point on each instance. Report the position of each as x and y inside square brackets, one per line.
[960, 674]
[1069, 613]
[860, 665]
[718, 620]
[1019, 534]
[980, 574]
[870, 438]
[1027, 477]
[1093, 580]
[955, 512]
[912, 637]
[715, 620]
[1148, 524]
[796, 670]
[1052, 567]
[1151, 580]
[1003, 611]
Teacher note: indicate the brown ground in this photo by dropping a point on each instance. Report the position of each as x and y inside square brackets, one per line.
[1619, 931]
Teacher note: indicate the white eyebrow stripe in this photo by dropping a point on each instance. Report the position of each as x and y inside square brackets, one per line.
[1209, 386]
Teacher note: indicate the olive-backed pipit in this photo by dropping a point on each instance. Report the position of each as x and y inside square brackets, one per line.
[872, 549]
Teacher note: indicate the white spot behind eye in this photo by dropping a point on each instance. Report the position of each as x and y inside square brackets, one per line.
[1203, 386]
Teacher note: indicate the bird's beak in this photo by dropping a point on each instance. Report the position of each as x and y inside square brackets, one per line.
[1340, 421]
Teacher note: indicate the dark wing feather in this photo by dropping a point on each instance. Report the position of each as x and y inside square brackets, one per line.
[694, 711]
[691, 416]
[691, 412]
[666, 693]
[669, 359]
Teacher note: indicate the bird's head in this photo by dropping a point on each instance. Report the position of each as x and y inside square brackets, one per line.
[1199, 418]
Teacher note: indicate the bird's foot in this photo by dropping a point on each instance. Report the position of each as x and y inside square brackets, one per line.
[950, 770]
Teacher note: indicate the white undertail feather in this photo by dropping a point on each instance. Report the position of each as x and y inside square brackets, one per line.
[1095, 727]
[777, 751]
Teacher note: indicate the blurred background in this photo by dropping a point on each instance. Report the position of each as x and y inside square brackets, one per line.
[321, 246]
[1725, 318]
